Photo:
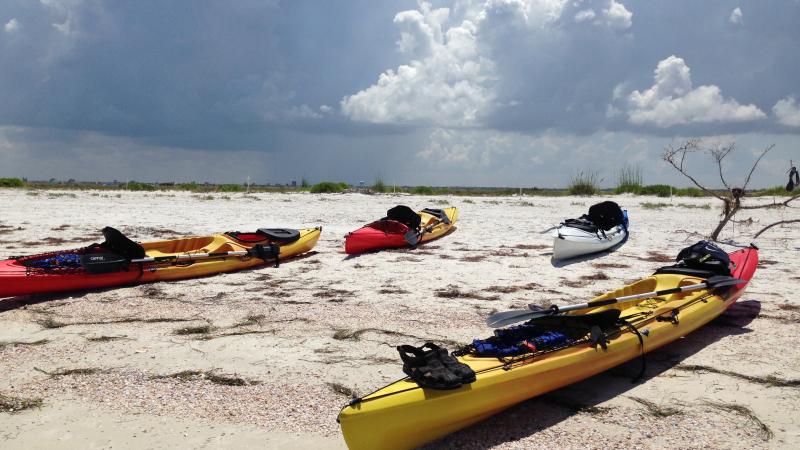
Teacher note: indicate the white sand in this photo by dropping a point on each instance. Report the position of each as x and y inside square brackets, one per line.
[303, 316]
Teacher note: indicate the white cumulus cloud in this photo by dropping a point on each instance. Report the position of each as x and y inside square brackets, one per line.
[672, 100]
[787, 112]
[617, 16]
[448, 83]
[11, 26]
[584, 15]
[736, 16]
[452, 75]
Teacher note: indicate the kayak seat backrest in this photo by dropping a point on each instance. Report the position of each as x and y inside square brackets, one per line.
[404, 215]
[606, 215]
[277, 235]
[117, 243]
[280, 235]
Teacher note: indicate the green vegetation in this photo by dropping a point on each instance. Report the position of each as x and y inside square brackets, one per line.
[659, 190]
[585, 183]
[378, 185]
[231, 188]
[778, 191]
[137, 186]
[328, 187]
[422, 190]
[689, 192]
[629, 179]
[660, 205]
[11, 182]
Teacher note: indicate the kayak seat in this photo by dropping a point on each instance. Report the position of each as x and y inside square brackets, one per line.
[280, 235]
[117, 243]
[404, 215]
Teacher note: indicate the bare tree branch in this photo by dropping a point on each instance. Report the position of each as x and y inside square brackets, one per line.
[719, 153]
[774, 205]
[774, 224]
[747, 180]
[670, 155]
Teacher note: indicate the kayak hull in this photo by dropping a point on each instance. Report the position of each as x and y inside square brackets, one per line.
[569, 242]
[403, 415]
[384, 234]
[16, 279]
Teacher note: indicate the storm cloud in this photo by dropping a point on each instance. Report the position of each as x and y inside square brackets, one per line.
[489, 92]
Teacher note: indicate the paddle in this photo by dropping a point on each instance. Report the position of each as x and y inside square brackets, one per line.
[412, 237]
[549, 229]
[508, 317]
[98, 263]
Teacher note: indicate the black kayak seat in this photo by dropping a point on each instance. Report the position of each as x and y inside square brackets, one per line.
[280, 235]
[404, 215]
[117, 243]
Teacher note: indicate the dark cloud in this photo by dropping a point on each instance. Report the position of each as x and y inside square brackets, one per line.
[494, 93]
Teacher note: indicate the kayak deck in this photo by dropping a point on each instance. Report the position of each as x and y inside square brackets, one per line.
[404, 415]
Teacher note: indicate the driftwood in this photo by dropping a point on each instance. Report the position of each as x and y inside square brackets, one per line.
[732, 199]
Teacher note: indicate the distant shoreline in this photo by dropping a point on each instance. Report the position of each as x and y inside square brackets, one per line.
[658, 190]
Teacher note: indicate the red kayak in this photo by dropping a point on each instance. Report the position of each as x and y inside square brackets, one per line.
[397, 231]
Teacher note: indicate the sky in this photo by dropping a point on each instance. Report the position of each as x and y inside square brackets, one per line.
[460, 93]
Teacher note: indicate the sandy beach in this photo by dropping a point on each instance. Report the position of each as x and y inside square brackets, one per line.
[267, 357]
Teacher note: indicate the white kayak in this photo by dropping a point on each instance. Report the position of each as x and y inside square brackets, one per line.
[571, 242]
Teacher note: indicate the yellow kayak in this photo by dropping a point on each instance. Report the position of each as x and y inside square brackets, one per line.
[404, 415]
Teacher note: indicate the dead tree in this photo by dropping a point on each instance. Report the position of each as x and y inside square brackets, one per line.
[732, 197]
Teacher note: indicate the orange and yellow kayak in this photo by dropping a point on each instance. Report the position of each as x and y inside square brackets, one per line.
[174, 259]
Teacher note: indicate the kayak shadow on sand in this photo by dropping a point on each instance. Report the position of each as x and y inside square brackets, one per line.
[545, 411]
[583, 258]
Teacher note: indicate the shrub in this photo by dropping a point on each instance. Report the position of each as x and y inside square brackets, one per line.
[776, 191]
[422, 190]
[11, 182]
[304, 183]
[659, 190]
[585, 183]
[378, 186]
[137, 186]
[328, 187]
[629, 179]
[690, 192]
[230, 188]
